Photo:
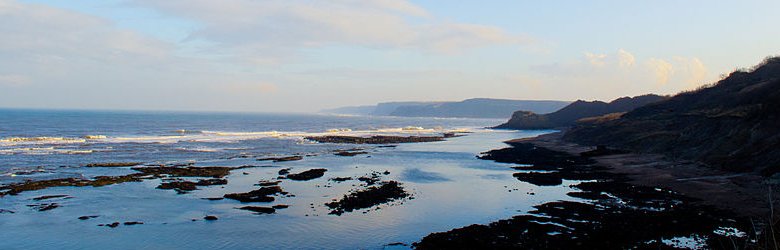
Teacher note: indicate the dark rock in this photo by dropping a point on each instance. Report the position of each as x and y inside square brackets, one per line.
[372, 178]
[282, 159]
[350, 153]
[260, 195]
[379, 139]
[280, 206]
[210, 217]
[214, 172]
[369, 197]
[284, 171]
[186, 186]
[259, 210]
[211, 182]
[589, 195]
[16, 188]
[340, 179]
[114, 164]
[87, 217]
[540, 179]
[268, 183]
[44, 206]
[179, 186]
[130, 223]
[6, 211]
[46, 197]
[307, 175]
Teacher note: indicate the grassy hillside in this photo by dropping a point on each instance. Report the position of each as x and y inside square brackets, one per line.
[733, 124]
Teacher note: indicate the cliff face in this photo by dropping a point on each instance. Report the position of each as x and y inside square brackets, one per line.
[734, 124]
[569, 115]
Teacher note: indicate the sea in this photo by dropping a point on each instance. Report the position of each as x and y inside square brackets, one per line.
[449, 186]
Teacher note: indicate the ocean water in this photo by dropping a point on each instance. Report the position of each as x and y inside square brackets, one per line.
[450, 186]
[51, 139]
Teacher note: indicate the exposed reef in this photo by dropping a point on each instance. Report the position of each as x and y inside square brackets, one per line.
[263, 194]
[259, 210]
[378, 139]
[114, 164]
[148, 172]
[308, 174]
[350, 153]
[186, 186]
[369, 197]
[282, 159]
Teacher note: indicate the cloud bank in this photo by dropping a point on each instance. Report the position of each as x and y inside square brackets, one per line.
[609, 75]
[269, 31]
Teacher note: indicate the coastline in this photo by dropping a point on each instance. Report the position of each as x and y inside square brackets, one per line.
[198, 207]
[745, 194]
[622, 201]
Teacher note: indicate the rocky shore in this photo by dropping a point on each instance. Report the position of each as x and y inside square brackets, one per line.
[628, 201]
[744, 193]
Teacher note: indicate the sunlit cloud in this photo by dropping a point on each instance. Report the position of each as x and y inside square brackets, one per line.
[662, 69]
[697, 73]
[270, 31]
[609, 75]
[596, 59]
[625, 59]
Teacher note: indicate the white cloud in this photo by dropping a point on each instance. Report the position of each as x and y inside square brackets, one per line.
[625, 59]
[269, 31]
[609, 75]
[52, 57]
[12, 80]
[596, 59]
[48, 34]
[662, 69]
[697, 74]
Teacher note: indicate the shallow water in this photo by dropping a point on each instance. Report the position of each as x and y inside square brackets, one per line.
[450, 186]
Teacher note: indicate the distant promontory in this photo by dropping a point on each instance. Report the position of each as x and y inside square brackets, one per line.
[470, 108]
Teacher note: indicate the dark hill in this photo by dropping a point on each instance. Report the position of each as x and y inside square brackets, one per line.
[734, 124]
[569, 115]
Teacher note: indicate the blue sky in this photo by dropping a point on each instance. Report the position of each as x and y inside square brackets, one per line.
[301, 56]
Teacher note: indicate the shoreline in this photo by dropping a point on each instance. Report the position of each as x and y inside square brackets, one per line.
[622, 201]
[745, 194]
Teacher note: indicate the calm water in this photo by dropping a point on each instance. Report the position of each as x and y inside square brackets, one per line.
[451, 187]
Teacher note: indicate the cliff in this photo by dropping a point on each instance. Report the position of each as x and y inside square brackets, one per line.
[733, 124]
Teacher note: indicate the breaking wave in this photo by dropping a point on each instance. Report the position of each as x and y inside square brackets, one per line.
[42, 151]
[95, 137]
[16, 145]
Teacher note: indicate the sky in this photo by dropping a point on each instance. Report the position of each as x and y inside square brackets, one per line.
[308, 55]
